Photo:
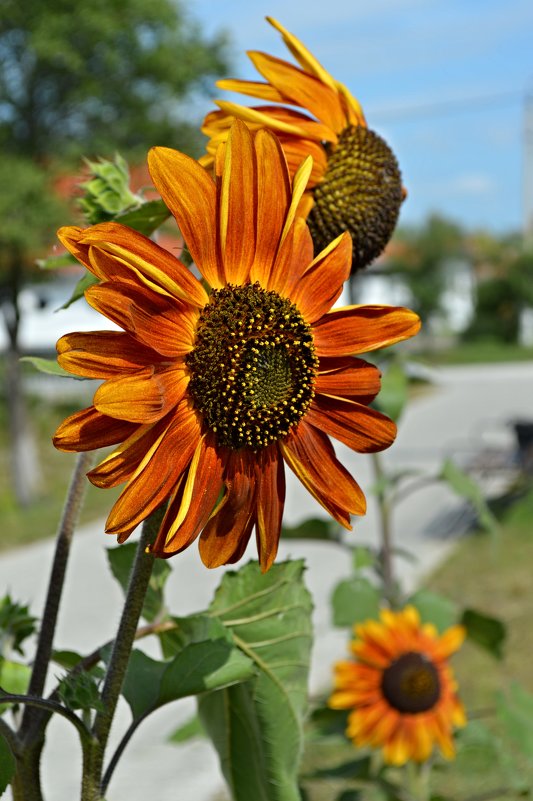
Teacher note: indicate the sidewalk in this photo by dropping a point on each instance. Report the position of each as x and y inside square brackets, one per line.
[466, 407]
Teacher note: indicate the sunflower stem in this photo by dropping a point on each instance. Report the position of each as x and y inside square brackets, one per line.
[118, 662]
[69, 519]
[418, 778]
[385, 531]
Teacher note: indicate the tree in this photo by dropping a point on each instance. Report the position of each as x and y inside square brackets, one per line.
[420, 254]
[82, 79]
[91, 78]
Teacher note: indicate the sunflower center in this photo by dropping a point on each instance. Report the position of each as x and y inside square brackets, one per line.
[253, 366]
[411, 683]
[361, 192]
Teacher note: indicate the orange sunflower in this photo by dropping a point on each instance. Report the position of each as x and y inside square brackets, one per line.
[355, 184]
[211, 386]
[401, 689]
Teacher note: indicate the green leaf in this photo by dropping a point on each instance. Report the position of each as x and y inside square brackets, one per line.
[7, 764]
[326, 722]
[121, 560]
[515, 710]
[256, 727]
[353, 769]
[147, 218]
[16, 625]
[87, 280]
[363, 557]
[57, 262]
[49, 366]
[354, 600]
[187, 731]
[312, 529]
[434, 608]
[67, 659]
[81, 690]
[14, 678]
[486, 631]
[393, 393]
[465, 486]
[207, 660]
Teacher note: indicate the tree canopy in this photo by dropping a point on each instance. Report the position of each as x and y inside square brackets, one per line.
[92, 78]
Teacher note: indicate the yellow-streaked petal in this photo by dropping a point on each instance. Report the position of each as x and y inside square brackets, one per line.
[144, 396]
[360, 427]
[302, 54]
[88, 430]
[102, 354]
[237, 205]
[299, 185]
[360, 329]
[323, 281]
[281, 120]
[189, 192]
[264, 91]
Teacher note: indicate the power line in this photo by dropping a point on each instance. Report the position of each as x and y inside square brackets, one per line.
[446, 107]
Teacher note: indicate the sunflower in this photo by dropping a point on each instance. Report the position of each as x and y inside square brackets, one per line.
[211, 386]
[400, 688]
[355, 184]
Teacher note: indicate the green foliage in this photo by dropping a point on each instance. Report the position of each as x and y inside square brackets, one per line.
[16, 625]
[14, 678]
[107, 192]
[82, 690]
[435, 608]
[205, 659]
[355, 600]
[48, 366]
[7, 765]
[488, 632]
[109, 76]
[187, 731]
[313, 528]
[394, 390]
[515, 711]
[465, 486]
[121, 560]
[256, 727]
[497, 312]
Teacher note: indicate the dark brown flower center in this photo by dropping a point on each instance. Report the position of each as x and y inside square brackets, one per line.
[253, 366]
[361, 192]
[411, 683]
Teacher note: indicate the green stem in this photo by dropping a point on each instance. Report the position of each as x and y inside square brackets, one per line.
[67, 525]
[385, 530]
[118, 662]
[418, 778]
[49, 706]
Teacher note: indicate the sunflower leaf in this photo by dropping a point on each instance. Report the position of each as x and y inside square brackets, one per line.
[147, 218]
[7, 764]
[87, 280]
[465, 486]
[256, 727]
[206, 660]
[486, 631]
[354, 600]
[393, 393]
[515, 711]
[187, 731]
[48, 366]
[312, 529]
[14, 678]
[435, 608]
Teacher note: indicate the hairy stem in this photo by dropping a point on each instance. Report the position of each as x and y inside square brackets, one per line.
[385, 530]
[120, 654]
[67, 525]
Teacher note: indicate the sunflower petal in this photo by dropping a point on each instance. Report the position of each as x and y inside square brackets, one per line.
[360, 329]
[280, 119]
[323, 281]
[144, 396]
[270, 478]
[306, 451]
[102, 354]
[89, 429]
[348, 377]
[360, 427]
[263, 91]
[190, 194]
[302, 54]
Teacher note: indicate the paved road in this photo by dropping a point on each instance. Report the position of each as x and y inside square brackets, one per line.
[467, 407]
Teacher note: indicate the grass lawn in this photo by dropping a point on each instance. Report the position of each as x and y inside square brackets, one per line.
[481, 352]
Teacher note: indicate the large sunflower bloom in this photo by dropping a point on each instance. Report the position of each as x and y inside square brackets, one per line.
[209, 391]
[400, 688]
[355, 184]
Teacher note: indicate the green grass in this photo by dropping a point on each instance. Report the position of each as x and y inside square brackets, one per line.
[41, 518]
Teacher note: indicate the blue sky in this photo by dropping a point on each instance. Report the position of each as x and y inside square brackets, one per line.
[444, 81]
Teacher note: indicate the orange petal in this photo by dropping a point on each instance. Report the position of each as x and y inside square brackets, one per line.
[302, 55]
[279, 119]
[294, 256]
[89, 429]
[226, 534]
[323, 281]
[120, 465]
[166, 326]
[270, 478]
[359, 329]
[296, 149]
[157, 474]
[348, 377]
[361, 428]
[237, 205]
[189, 192]
[310, 455]
[144, 396]
[124, 249]
[301, 89]
[102, 354]
[264, 91]
[191, 507]
[273, 200]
